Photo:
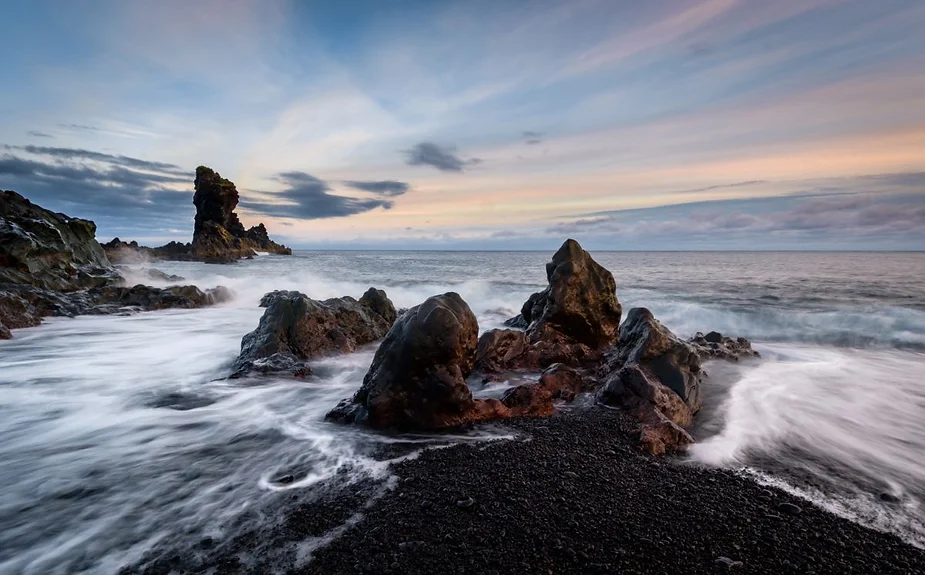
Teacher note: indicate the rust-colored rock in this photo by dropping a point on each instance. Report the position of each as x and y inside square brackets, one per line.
[580, 302]
[659, 435]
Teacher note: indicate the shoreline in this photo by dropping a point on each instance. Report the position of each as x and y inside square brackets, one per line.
[575, 495]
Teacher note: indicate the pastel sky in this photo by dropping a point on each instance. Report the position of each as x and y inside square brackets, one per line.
[505, 124]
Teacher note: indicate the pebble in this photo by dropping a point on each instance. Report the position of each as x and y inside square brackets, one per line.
[789, 509]
[727, 562]
[465, 503]
[571, 474]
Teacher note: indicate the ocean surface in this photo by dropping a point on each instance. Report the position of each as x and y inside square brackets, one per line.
[119, 434]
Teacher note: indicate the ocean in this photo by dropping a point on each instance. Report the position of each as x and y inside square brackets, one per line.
[120, 435]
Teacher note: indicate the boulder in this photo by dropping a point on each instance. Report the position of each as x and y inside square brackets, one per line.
[296, 328]
[659, 435]
[715, 345]
[417, 379]
[49, 250]
[655, 376]
[580, 302]
[646, 343]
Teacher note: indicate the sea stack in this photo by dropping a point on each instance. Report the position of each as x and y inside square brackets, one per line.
[218, 235]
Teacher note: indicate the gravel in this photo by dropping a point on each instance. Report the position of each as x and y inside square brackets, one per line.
[575, 497]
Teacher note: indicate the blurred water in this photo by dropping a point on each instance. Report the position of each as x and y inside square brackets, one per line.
[119, 433]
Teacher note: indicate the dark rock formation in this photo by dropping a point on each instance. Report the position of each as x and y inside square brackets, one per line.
[418, 375]
[580, 302]
[48, 250]
[714, 345]
[571, 321]
[650, 345]
[295, 328]
[51, 264]
[218, 235]
[656, 376]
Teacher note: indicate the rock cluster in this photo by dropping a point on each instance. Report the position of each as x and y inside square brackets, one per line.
[51, 264]
[295, 328]
[715, 345]
[218, 234]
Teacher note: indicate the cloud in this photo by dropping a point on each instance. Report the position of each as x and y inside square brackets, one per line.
[532, 138]
[388, 188]
[78, 154]
[442, 158]
[836, 218]
[307, 197]
[79, 127]
[101, 187]
[36, 134]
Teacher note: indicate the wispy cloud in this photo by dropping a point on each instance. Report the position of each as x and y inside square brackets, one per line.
[36, 134]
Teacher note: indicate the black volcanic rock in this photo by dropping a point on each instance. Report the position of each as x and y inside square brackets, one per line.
[295, 328]
[52, 265]
[48, 250]
[572, 321]
[418, 376]
[218, 235]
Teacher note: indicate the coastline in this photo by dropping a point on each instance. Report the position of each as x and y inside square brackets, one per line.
[574, 495]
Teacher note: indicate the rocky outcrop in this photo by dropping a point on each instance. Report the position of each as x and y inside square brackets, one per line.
[655, 375]
[49, 250]
[295, 328]
[218, 234]
[572, 321]
[715, 345]
[418, 376]
[52, 265]
[580, 302]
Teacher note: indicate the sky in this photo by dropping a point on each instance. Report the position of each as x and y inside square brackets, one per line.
[509, 124]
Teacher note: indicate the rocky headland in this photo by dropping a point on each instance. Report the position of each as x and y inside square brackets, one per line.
[218, 234]
[52, 265]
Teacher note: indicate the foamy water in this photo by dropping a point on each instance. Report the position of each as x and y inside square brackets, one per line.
[120, 435]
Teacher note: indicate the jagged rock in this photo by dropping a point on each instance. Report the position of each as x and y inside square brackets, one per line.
[297, 328]
[418, 375]
[654, 375]
[16, 312]
[630, 387]
[572, 321]
[151, 298]
[48, 250]
[580, 302]
[662, 355]
[218, 235]
[658, 434]
[714, 345]
[4, 332]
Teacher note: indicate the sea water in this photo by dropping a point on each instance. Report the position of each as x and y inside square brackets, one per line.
[120, 434]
